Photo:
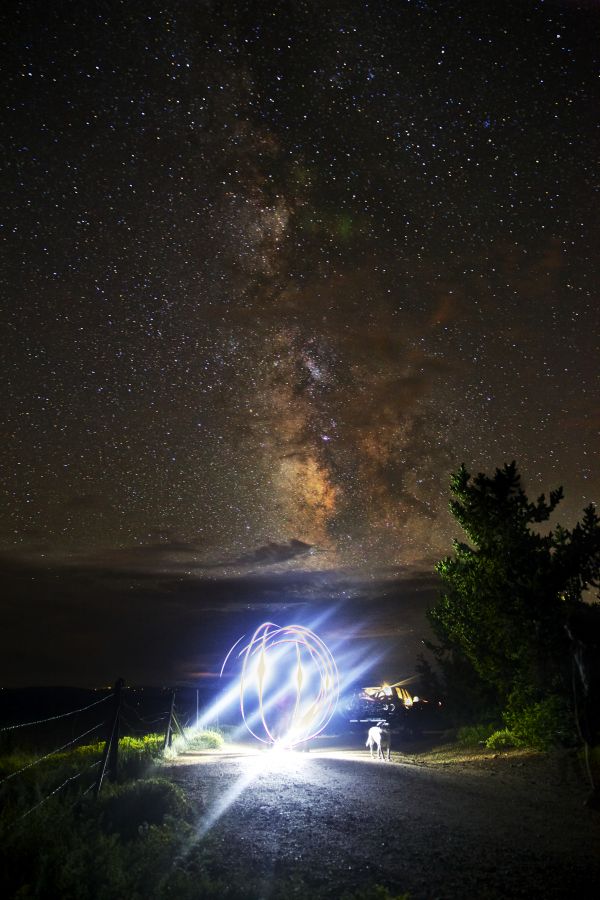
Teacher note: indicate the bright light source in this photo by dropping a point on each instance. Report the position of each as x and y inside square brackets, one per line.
[289, 684]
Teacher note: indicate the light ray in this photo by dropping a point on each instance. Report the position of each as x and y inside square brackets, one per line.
[292, 677]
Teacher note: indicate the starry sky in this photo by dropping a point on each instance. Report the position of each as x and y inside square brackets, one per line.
[271, 272]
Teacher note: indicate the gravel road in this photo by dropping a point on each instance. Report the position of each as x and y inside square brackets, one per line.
[327, 822]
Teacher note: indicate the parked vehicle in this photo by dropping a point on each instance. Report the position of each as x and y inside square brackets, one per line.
[408, 716]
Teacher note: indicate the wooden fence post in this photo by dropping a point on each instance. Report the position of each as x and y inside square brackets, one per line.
[169, 731]
[111, 747]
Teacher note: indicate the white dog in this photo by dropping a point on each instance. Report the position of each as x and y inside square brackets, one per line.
[379, 736]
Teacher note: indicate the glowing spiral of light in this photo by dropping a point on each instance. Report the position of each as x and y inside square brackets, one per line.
[289, 684]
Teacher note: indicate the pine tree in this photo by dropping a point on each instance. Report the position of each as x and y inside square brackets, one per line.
[509, 592]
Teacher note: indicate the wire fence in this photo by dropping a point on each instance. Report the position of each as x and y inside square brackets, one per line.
[167, 721]
[52, 753]
[56, 790]
[143, 719]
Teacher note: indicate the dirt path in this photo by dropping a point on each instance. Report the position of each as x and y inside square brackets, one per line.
[322, 823]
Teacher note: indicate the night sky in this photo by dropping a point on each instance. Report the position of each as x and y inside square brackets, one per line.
[271, 272]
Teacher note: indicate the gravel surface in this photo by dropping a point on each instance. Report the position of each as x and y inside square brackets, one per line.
[327, 822]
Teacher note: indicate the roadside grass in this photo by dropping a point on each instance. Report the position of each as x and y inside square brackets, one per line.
[76, 846]
[121, 845]
[569, 762]
[211, 739]
[535, 732]
[456, 753]
[142, 750]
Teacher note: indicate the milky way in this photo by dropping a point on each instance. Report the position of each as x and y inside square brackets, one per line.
[273, 271]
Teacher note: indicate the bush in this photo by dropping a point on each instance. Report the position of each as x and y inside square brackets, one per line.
[121, 845]
[501, 740]
[541, 725]
[137, 756]
[125, 809]
[206, 740]
[72, 772]
[472, 735]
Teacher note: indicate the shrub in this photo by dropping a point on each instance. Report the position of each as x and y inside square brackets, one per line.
[137, 756]
[125, 809]
[206, 740]
[121, 845]
[501, 740]
[541, 725]
[472, 735]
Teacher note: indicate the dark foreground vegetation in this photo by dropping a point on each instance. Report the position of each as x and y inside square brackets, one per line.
[58, 840]
[125, 843]
[518, 636]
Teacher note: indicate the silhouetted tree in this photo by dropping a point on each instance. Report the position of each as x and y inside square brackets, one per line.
[510, 592]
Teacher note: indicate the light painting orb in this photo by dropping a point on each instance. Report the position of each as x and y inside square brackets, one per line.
[289, 684]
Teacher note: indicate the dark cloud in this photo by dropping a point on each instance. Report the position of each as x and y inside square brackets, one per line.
[272, 553]
[172, 554]
[88, 625]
